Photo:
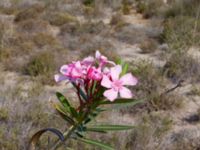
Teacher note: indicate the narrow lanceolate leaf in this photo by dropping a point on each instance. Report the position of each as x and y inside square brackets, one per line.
[121, 101]
[109, 127]
[63, 114]
[125, 69]
[66, 105]
[96, 143]
[35, 138]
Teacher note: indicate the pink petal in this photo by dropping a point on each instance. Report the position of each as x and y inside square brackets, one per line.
[110, 94]
[111, 62]
[125, 93]
[129, 79]
[88, 60]
[64, 69]
[106, 82]
[59, 78]
[97, 54]
[115, 72]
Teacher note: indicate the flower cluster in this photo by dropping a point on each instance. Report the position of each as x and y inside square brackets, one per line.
[98, 72]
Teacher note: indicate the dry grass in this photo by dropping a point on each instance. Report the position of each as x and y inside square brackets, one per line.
[180, 66]
[150, 8]
[60, 18]
[32, 12]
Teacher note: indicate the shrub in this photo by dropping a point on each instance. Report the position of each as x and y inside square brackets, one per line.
[42, 39]
[181, 32]
[88, 2]
[182, 8]
[29, 13]
[180, 66]
[126, 7]
[42, 64]
[151, 86]
[60, 18]
[148, 46]
[4, 114]
[149, 8]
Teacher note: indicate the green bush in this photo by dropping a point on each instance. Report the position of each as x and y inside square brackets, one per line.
[41, 64]
[88, 2]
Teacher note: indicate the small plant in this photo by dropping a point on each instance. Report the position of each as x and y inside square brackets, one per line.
[60, 18]
[180, 66]
[96, 85]
[42, 39]
[148, 46]
[126, 7]
[149, 8]
[41, 65]
[4, 114]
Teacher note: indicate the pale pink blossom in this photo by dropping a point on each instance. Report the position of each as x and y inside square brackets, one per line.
[88, 61]
[103, 60]
[116, 84]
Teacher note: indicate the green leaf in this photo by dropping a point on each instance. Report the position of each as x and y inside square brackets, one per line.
[94, 87]
[125, 69]
[96, 143]
[66, 105]
[64, 114]
[35, 138]
[109, 127]
[120, 101]
[83, 95]
[119, 61]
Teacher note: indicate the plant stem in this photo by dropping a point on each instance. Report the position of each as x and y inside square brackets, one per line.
[66, 135]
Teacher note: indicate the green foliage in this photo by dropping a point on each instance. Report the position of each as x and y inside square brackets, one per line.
[41, 64]
[88, 2]
[4, 114]
[96, 143]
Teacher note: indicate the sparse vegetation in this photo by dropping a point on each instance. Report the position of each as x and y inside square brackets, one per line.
[37, 36]
[150, 8]
[180, 66]
[29, 13]
[60, 18]
[42, 65]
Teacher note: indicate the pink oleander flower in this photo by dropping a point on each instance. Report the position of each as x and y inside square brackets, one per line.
[116, 84]
[102, 59]
[94, 74]
[72, 71]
